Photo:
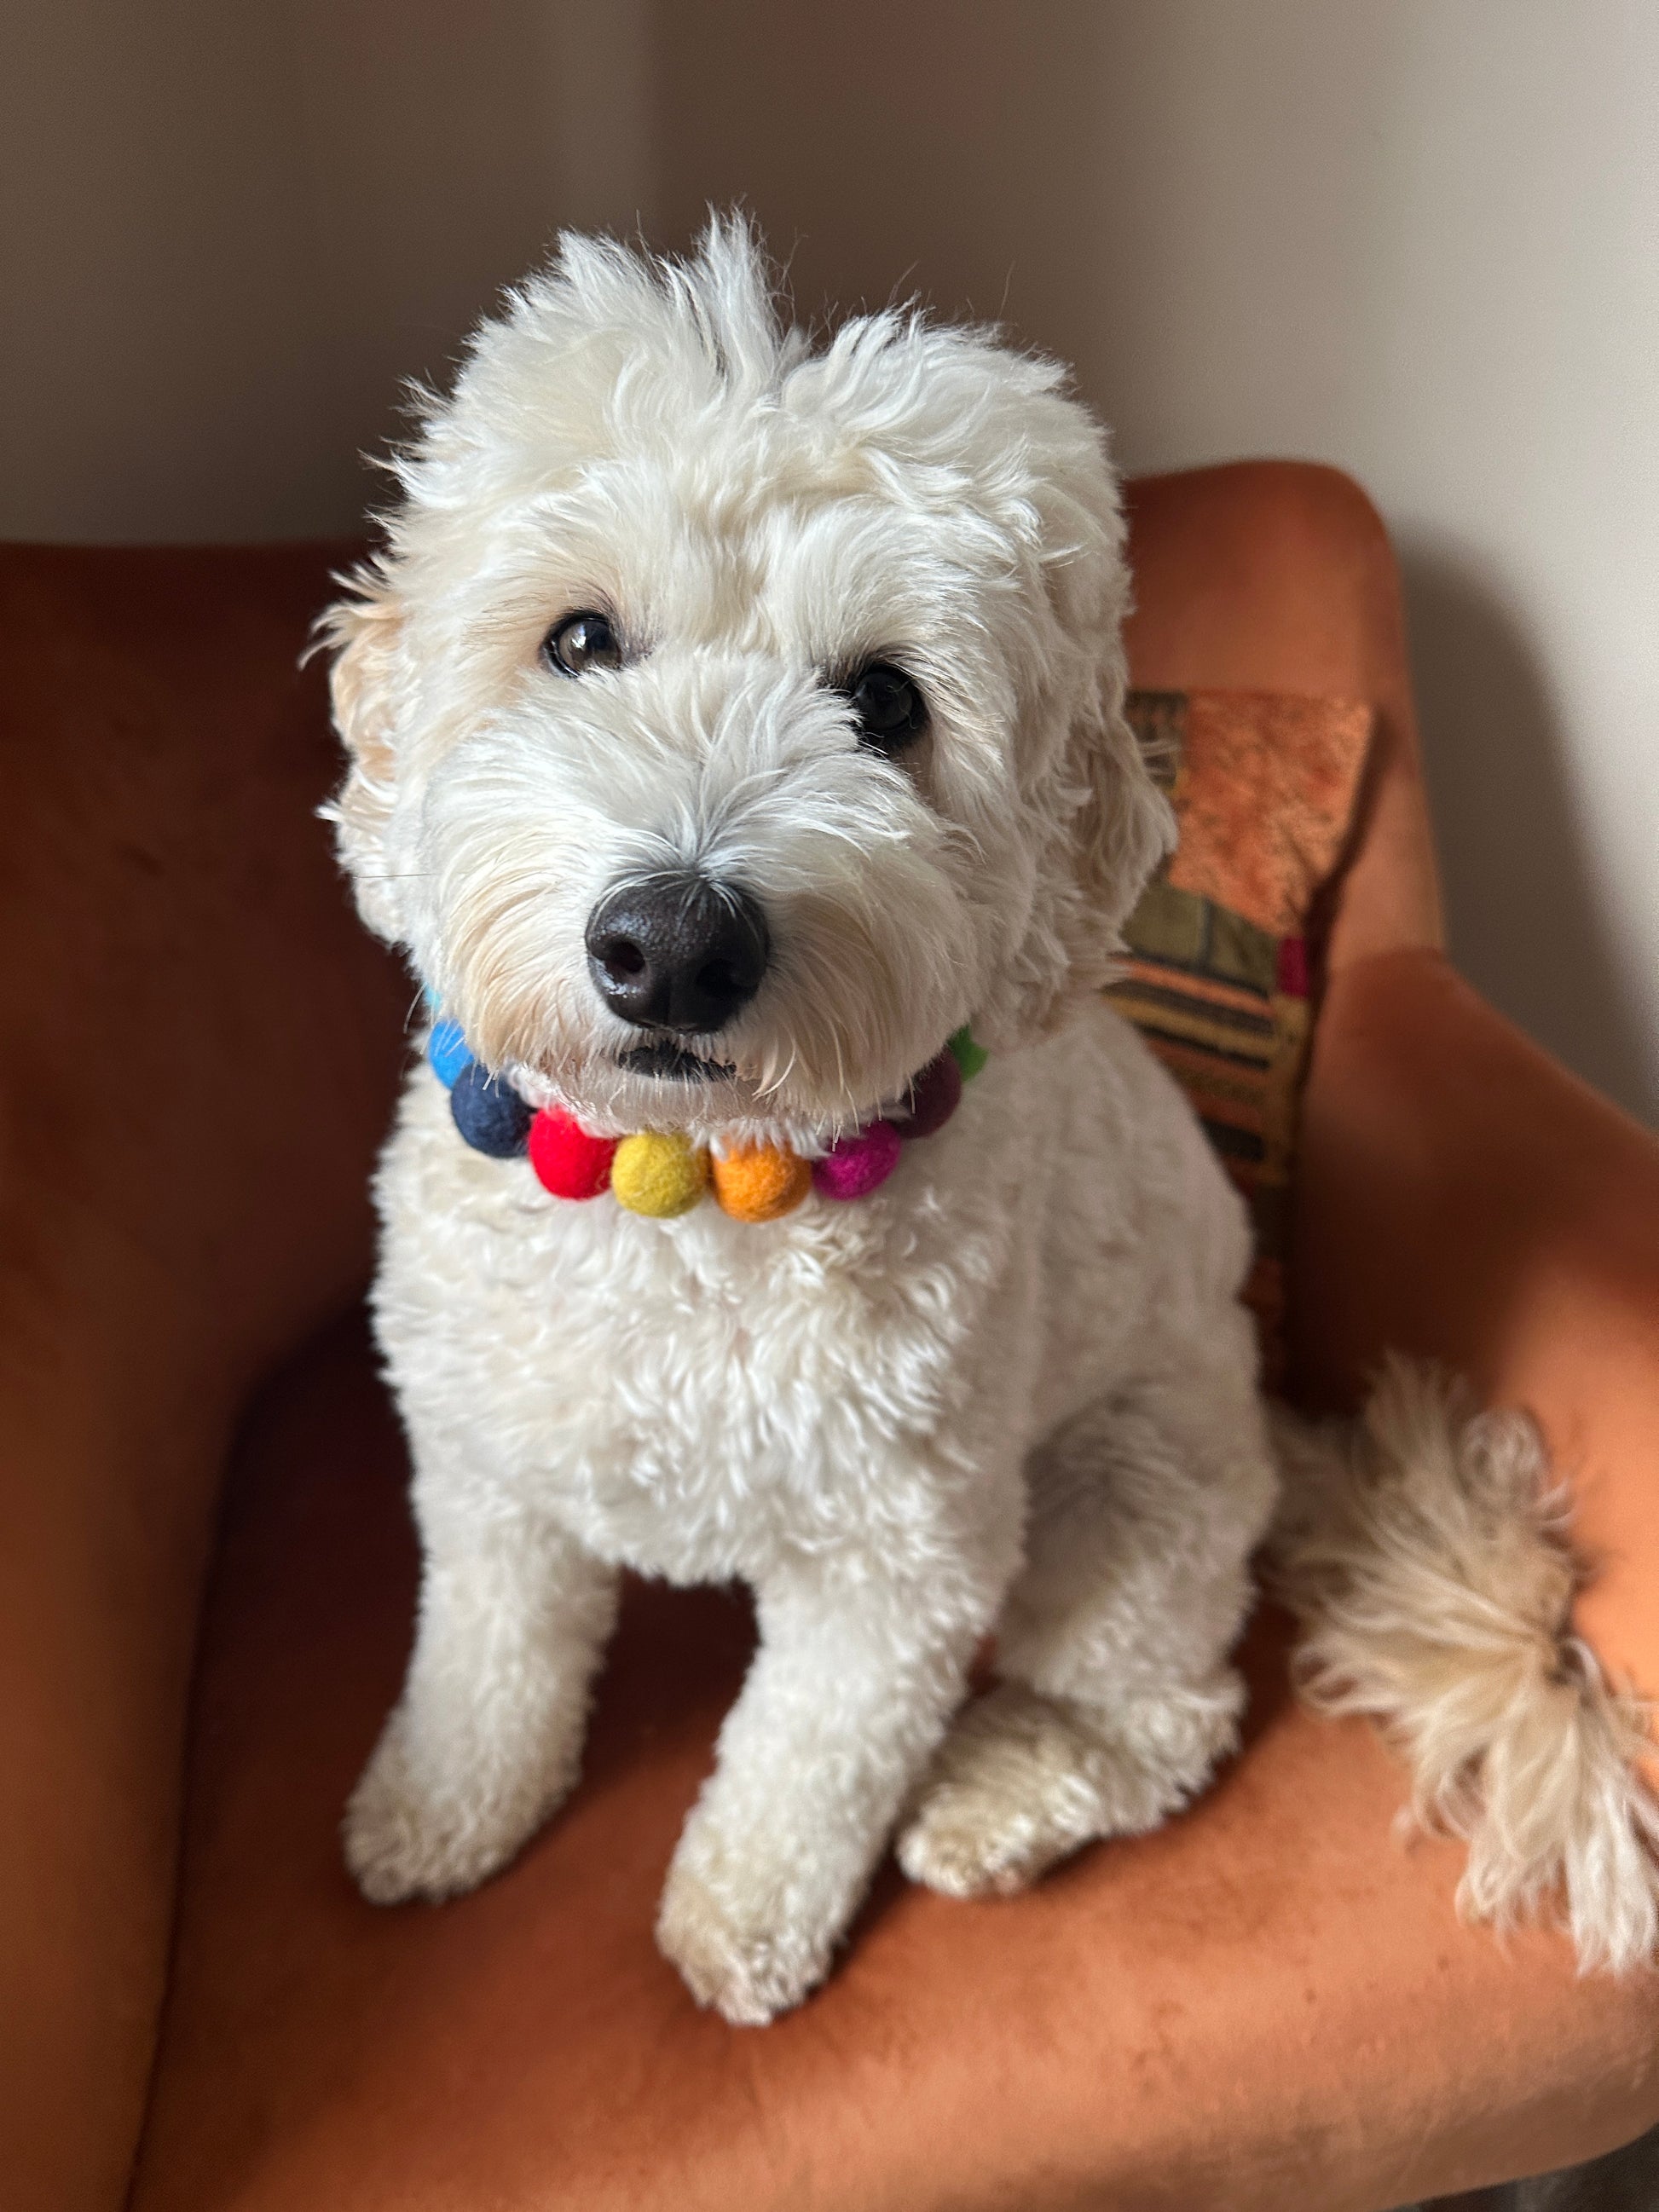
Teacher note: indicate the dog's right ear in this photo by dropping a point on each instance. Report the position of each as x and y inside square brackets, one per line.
[364, 633]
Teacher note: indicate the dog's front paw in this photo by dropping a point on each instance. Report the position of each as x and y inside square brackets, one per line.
[408, 1834]
[1022, 1780]
[1004, 1800]
[747, 1960]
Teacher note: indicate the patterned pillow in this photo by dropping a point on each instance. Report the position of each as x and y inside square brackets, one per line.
[1218, 975]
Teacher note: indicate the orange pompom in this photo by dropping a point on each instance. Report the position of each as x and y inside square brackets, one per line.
[761, 1184]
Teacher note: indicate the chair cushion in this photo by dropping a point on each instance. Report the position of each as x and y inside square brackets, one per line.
[1264, 1989]
[1224, 944]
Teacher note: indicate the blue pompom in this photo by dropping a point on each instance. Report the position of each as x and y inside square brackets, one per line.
[492, 1118]
[447, 1049]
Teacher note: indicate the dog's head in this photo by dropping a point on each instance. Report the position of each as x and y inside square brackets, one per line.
[730, 721]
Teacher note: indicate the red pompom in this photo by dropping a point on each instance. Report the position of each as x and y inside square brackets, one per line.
[567, 1160]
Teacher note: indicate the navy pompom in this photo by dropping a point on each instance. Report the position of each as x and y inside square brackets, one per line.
[491, 1117]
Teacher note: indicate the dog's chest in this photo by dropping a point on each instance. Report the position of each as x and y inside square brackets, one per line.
[691, 1397]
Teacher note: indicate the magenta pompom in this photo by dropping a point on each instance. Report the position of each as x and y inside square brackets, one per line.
[858, 1163]
[934, 1096]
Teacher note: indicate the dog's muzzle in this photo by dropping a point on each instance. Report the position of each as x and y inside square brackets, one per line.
[677, 953]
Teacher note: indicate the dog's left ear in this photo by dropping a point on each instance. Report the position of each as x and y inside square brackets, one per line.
[1123, 826]
[364, 633]
[1100, 824]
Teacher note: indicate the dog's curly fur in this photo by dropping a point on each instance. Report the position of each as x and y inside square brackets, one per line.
[1012, 1390]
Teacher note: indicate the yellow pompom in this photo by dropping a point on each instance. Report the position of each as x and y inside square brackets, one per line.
[659, 1175]
[761, 1184]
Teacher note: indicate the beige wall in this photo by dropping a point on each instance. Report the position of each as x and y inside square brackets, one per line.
[1418, 238]
[228, 232]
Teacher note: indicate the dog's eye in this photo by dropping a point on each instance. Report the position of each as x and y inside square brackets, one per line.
[888, 707]
[581, 641]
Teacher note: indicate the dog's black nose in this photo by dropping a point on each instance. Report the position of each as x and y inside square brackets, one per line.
[677, 952]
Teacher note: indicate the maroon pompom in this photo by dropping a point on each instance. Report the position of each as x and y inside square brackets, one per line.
[934, 1096]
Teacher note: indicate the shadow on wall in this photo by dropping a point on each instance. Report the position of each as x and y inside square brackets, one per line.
[1522, 914]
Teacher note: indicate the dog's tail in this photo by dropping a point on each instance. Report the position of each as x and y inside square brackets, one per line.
[1427, 1554]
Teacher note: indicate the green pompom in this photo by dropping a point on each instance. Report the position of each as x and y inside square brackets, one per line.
[969, 1056]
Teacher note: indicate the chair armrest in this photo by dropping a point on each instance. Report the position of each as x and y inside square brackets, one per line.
[1461, 1197]
[198, 1049]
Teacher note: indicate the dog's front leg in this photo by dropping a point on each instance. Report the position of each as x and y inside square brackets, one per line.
[856, 1676]
[486, 1737]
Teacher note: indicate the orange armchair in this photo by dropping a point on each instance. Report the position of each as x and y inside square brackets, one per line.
[1269, 2002]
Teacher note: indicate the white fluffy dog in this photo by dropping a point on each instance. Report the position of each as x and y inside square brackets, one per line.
[679, 612]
